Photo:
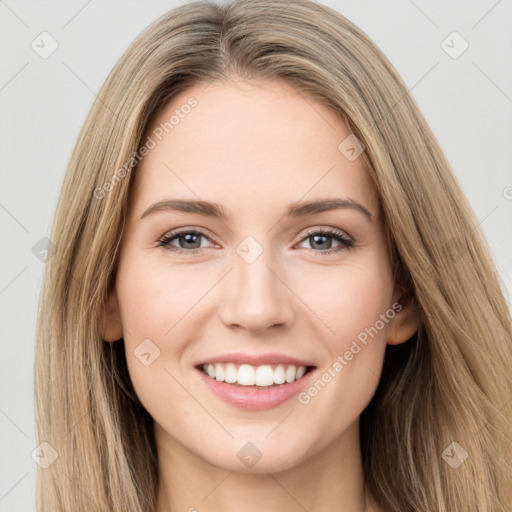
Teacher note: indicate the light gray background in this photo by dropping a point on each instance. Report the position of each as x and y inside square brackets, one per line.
[467, 101]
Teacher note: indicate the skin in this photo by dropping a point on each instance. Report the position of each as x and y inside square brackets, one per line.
[254, 148]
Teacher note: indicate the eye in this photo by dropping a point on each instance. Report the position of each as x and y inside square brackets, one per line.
[322, 239]
[189, 241]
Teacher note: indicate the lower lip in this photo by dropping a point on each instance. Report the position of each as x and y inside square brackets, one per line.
[255, 399]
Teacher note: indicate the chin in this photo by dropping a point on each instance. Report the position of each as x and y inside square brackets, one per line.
[253, 457]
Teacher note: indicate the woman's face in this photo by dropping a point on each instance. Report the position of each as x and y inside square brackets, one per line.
[261, 288]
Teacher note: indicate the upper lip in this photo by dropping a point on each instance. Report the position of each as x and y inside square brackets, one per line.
[255, 359]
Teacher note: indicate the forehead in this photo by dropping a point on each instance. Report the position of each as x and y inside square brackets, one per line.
[248, 145]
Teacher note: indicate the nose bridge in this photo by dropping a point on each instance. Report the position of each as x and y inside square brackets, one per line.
[255, 297]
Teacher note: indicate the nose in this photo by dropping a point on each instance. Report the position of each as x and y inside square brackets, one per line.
[256, 295]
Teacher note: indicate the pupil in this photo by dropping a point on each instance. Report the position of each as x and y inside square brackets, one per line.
[188, 240]
[192, 238]
[315, 237]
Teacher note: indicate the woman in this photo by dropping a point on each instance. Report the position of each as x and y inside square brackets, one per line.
[335, 337]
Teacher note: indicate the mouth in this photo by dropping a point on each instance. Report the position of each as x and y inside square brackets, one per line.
[264, 376]
[254, 382]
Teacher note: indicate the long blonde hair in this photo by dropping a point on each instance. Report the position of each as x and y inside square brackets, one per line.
[450, 383]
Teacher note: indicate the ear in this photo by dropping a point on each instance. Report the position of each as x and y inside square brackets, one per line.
[112, 329]
[405, 323]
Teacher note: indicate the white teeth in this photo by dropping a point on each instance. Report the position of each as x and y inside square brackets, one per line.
[245, 375]
[231, 373]
[290, 374]
[301, 370]
[219, 372]
[264, 376]
[279, 375]
[248, 375]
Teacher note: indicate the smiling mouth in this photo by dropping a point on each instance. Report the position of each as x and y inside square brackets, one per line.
[259, 377]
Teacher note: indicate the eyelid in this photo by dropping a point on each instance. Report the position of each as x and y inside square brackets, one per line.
[189, 229]
[206, 233]
[344, 239]
[327, 230]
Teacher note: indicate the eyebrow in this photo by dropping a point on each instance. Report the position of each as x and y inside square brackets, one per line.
[299, 209]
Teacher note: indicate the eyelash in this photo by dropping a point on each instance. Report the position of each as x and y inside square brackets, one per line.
[345, 242]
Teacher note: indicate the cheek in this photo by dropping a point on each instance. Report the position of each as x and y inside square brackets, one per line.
[155, 296]
[158, 305]
[349, 300]
[353, 302]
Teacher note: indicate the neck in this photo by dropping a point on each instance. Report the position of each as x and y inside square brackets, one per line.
[329, 481]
